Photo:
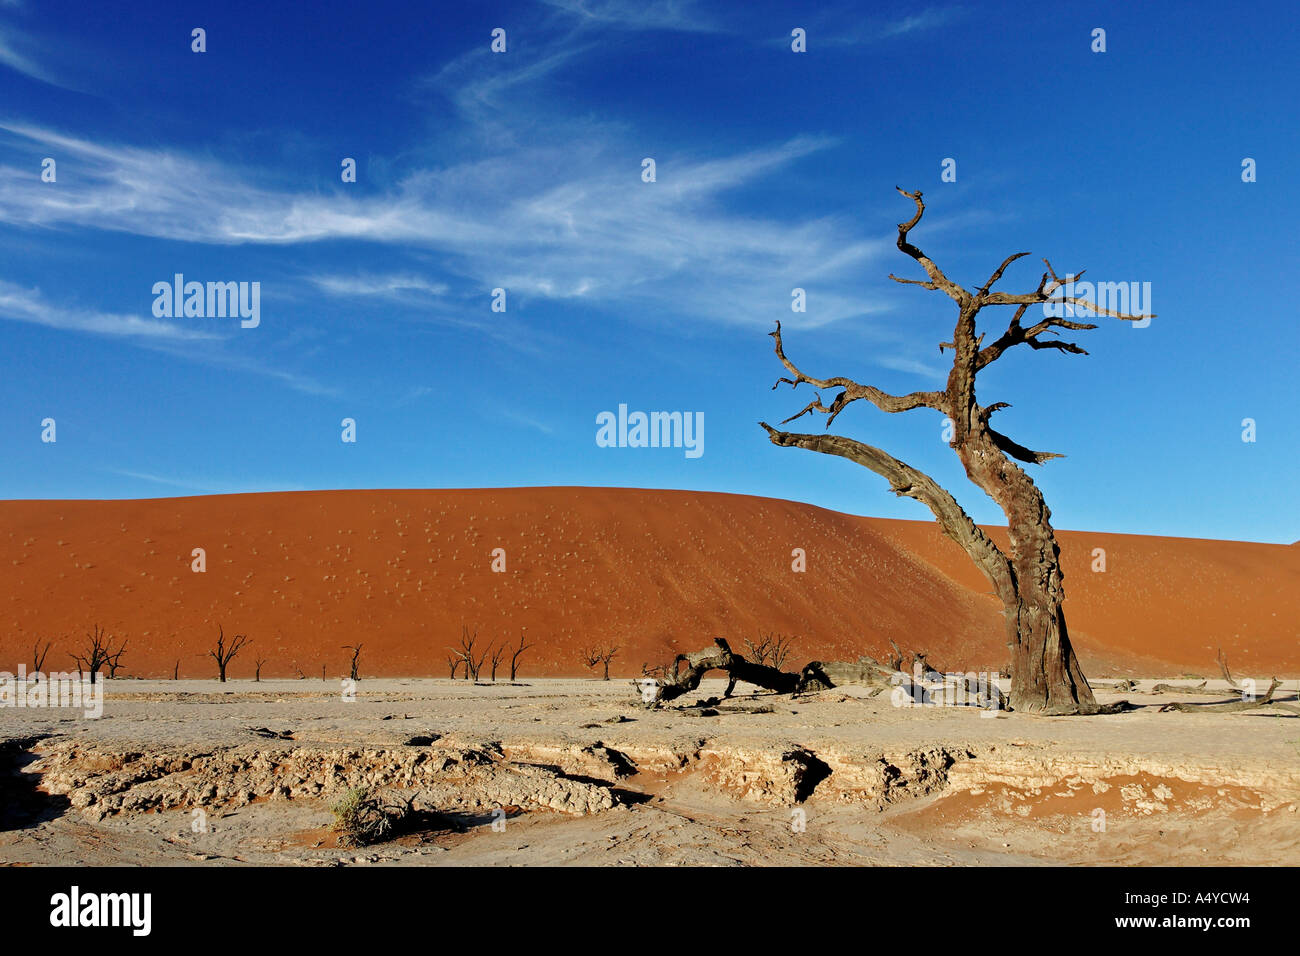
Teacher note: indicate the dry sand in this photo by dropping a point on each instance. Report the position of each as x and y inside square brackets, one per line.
[656, 572]
[583, 775]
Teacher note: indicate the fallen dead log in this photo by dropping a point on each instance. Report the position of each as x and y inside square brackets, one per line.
[1125, 685]
[1232, 706]
[1185, 689]
[931, 688]
[675, 682]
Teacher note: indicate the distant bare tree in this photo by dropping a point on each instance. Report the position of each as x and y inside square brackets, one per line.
[770, 649]
[453, 664]
[781, 648]
[96, 653]
[38, 657]
[356, 652]
[223, 654]
[758, 650]
[517, 653]
[257, 668]
[498, 656]
[114, 660]
[600, 655]
[176, 671]
[468, 643]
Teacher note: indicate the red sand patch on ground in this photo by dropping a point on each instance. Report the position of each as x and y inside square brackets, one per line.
[1133, 795]
[655, 572]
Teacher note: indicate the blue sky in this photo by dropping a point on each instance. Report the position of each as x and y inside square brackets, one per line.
[522, 170]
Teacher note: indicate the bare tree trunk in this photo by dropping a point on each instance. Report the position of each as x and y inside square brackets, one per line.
[1045, 674]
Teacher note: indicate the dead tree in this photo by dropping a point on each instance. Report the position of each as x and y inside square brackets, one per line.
[176, 671]
[517, 653]
[592, 656]
[356, 653]
[473, 664]
[759, 649]
[257, 668]
[1046, 676]
[114, 660]
[781, 648]
[453, 664]
[96, 653]
[498, 655]
[223, 654]
[771, 649]
[38, 657]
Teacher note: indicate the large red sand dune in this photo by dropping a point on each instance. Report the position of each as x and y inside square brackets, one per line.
[654, 572]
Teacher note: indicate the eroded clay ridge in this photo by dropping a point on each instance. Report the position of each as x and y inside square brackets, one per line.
[579, 779]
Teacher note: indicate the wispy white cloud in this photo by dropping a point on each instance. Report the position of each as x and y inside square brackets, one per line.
[546, 203]
[204, 486]
[414, 394]
[29, 305]
[11, 58]
[526, 421]
[227, 355]
[929, 19]
[481, 84]
[21, 304]
[848, 27]
[551, 221]
[19, 51]
[678, 15]
[399, 287]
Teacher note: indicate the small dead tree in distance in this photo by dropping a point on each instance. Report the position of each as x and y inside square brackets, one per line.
[38, 657]
[114, 660]
[1046, 676]
[257, 668]
[473, 663]
[356, 653]
[498, 655]
[770, 648]
[453, 664]
[96, 653]
[223, 654]
[600, 655]
[517, 653]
